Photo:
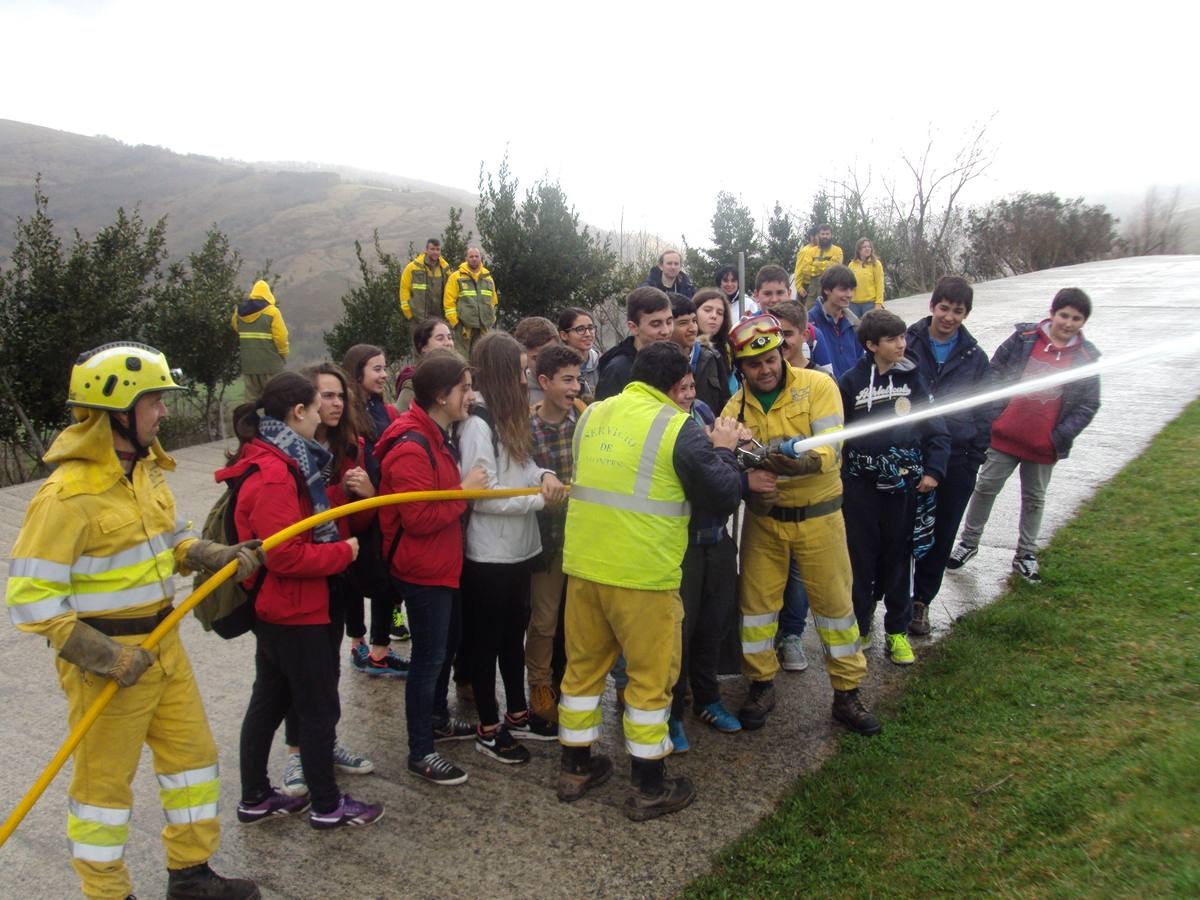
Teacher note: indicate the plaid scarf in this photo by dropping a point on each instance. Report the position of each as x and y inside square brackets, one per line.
[311, 457]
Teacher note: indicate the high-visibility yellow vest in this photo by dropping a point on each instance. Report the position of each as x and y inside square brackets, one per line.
[257, 346]
[627, 517]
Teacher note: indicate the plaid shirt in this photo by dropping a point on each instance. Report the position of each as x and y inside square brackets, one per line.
[552, 450]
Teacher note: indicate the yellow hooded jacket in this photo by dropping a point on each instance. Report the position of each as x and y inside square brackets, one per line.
[476, 293]
[418, 276]
[254, 334]
[95, 543]
[809, 404]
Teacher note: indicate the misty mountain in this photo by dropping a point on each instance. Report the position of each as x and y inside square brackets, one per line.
[303, 217]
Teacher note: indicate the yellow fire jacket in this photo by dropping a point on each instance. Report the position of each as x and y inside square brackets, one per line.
[809, 404]
[95, 543]
[811, 263]
[471, 297]
[256, 339]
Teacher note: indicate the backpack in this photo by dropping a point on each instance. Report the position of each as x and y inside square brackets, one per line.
[229, 609]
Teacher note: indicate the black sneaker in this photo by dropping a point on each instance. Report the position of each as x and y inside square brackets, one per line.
[528, 726]
[759, 702]
[453, 730]
[849, 709]
[198, 881]
[961, 555]
[1027, 567]
[435, 769]
[500, 746]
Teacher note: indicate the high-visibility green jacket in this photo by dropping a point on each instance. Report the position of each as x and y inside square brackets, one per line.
[471, 298]
[95, 543]
[422, 288]
[627, 517]
[262, 334]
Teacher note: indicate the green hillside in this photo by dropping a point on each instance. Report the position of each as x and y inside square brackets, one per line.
[304, 220]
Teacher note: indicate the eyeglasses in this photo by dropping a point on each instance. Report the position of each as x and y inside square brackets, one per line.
[332, 395]
[583, 329]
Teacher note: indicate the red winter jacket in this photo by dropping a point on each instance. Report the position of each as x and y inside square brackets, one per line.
[295, 590]
[359, 522]
[430, 551]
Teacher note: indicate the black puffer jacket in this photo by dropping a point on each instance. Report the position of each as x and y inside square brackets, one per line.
[963, 374]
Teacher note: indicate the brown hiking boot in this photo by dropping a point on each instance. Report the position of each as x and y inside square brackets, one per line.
[919, 625]
[849, 709]
[759, 702]
[574, 784]
[542, 702]
[674, 795]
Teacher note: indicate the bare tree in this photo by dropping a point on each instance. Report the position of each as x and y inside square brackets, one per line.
[924, 204]
[1156, 227]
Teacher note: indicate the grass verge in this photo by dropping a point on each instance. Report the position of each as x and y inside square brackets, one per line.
[1049, 747]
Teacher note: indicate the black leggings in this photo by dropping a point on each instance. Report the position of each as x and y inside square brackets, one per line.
[495, 604]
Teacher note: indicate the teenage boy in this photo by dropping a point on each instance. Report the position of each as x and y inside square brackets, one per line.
[1034, 431]
[955, 366]
[885, 474]
[535, 334]
[553, 425]
[709, 595]
[771, 287]
[837, 348]
[648, 315]
[798, 333]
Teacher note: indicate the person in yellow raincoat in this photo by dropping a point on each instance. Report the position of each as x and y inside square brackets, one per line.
[262, 338]
[92, 573]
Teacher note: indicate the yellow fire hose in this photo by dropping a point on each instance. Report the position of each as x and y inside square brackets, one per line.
[89, 718]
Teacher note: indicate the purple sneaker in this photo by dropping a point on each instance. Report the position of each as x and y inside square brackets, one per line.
[274, 804]
[348, 812]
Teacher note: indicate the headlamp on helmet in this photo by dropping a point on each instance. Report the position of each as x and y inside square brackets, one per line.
[755, 335]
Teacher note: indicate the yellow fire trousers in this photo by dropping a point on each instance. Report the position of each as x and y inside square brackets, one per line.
[602, 622]
[164, 711]
[819, 548]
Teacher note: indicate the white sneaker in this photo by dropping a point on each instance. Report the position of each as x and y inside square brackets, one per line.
[791, 654]
[294, 784]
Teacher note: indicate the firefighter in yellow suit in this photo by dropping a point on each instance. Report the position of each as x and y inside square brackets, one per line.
[794, 510]
[92, 572]
[639, 459]
[470, 301]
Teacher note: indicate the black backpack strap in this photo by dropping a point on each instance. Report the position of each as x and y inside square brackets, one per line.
[235, 485]
[414, 437]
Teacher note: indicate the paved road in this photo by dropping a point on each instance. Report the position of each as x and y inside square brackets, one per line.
[503, 833]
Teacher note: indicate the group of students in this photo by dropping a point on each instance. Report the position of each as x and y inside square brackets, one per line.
[482, 580]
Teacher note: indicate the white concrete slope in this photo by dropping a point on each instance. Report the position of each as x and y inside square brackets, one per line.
[503, 832]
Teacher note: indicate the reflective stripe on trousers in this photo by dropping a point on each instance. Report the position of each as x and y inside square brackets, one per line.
[96, 833]
[646, 733]
[190, 796]
[579, 720]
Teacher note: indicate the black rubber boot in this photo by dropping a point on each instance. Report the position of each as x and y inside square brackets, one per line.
[202, 883]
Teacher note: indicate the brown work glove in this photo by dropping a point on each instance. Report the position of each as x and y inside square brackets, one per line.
[210, 556]
[761, 504]
[96, 652]
[782, 464]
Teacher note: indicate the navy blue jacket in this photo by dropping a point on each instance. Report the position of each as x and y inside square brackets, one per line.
[868, 395]
[963, 374]
[615, 367]
[683, 284]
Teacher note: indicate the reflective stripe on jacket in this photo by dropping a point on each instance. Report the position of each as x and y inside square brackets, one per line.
[94, 543]
[471, 298]
[627, 516]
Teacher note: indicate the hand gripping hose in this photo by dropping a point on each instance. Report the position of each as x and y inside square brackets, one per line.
[152, 640]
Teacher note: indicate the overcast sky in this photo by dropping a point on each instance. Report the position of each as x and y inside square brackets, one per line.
[641, 110]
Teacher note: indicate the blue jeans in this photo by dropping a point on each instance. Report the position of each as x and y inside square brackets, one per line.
[795, 604]
[435, 623]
